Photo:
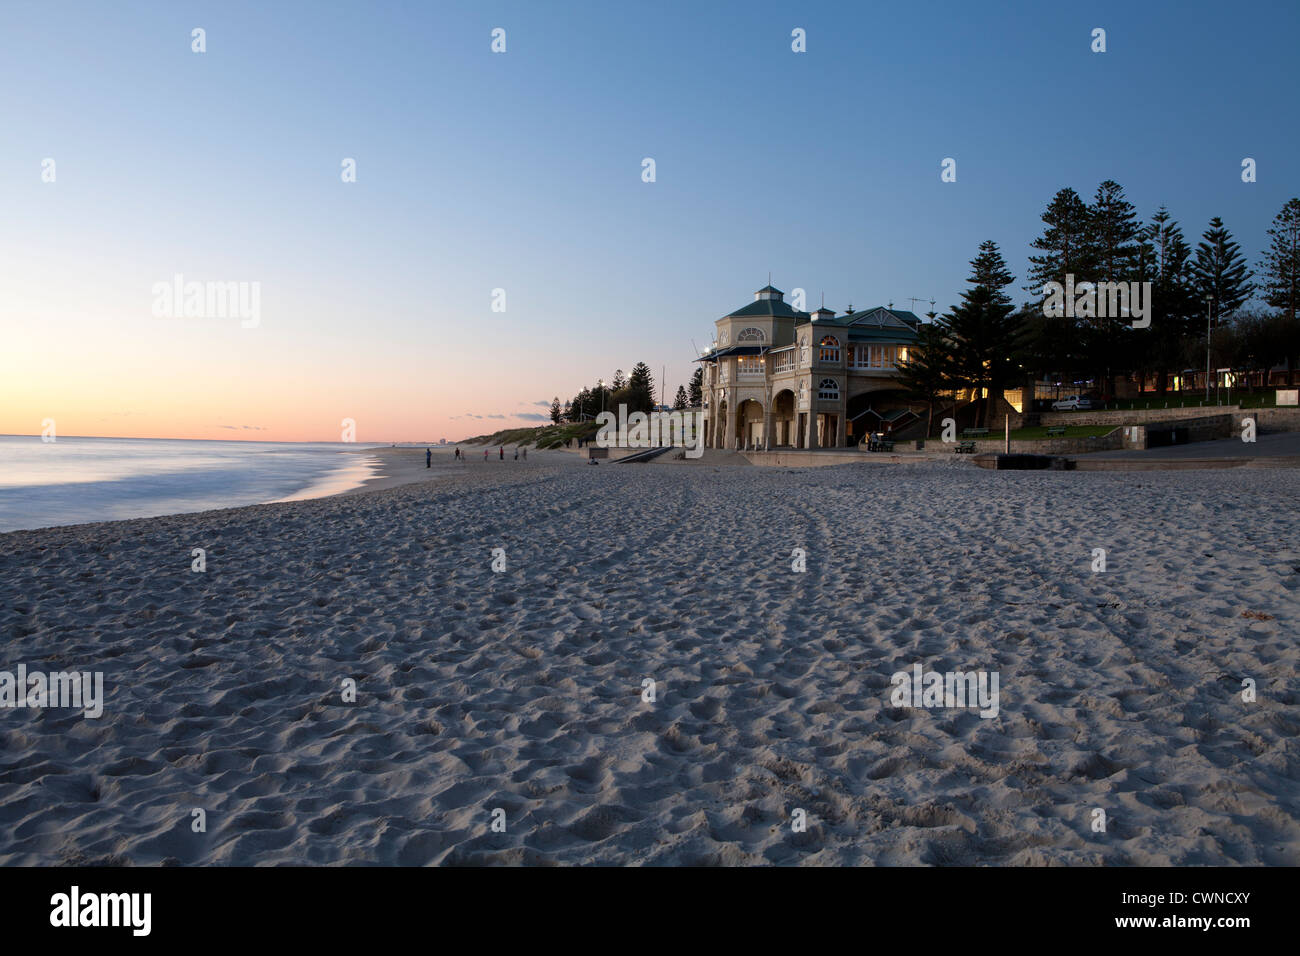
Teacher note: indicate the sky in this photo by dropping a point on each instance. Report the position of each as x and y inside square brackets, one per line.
[522, 171]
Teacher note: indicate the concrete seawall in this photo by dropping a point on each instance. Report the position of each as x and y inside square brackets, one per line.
[787, 458]
[1111, 441]
[1266, 419]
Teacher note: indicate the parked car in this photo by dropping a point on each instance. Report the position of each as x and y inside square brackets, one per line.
[1072, 403]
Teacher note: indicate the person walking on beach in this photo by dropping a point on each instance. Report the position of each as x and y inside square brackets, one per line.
[485, 454]
[428, 458]
[516, 453]
[503, 452]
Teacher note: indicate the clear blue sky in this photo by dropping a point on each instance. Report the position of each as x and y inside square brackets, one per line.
[523, 171]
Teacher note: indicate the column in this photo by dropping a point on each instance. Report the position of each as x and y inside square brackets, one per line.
[730, 435]
[839, 430]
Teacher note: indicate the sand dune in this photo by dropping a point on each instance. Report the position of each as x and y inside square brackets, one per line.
[522, 690]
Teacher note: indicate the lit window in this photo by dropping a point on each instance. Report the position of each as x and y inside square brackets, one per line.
[883, 356]
[830, 349]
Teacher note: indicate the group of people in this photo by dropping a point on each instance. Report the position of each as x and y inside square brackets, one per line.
[428, 455]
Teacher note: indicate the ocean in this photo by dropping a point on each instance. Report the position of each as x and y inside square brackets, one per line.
[75, 480]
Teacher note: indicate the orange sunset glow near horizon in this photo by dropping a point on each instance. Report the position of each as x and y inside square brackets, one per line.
[96, 359]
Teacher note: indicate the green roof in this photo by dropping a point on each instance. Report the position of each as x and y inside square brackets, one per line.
[881, 316]
[767, 307]
[881, 325]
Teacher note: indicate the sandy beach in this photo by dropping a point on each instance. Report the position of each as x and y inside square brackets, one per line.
[521, 691]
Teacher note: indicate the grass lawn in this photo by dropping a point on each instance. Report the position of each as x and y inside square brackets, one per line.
[1262, 398]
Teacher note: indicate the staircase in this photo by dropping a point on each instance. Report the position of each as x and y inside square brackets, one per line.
[647, 455]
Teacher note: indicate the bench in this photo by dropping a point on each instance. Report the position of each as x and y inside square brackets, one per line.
[973, 432]
[880, 444]
[965, 448]
[1056, 431]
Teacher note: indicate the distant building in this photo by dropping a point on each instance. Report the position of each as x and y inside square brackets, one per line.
[777, 377]
[442, 441]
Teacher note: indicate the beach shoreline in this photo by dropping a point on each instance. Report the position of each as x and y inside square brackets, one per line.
[405, 464]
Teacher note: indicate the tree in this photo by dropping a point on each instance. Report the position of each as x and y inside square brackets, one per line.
[640, 389]
[1113, 240]
[680, 403]
[1280, 271]
[1259, 343]
[1219, 272]
[697, 387]
[1112, 233]
[619, 381]
[926, 373]
[1065, 243]
[599, 396]
[556, 412]
[1053, 343]
[989, 269]
[1174, 305]
[1281, 267]
[985, 330]
[585, 405]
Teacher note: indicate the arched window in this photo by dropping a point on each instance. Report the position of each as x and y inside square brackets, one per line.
[829, 390]
[750, 335]
[830, 351]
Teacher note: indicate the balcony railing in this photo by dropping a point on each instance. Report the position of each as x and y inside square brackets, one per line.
[884, 358]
